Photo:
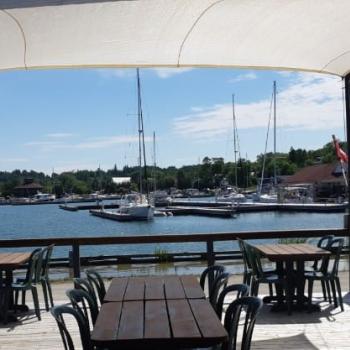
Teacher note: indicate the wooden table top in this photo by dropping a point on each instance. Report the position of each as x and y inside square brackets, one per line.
[297, 251]
[154, 288]
[13, 260]
[156, 320]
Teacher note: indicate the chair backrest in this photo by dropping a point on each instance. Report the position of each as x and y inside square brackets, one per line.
[34, 266]
[84, 284]
[251, 306]
[242, 248]
[82, 301]
[239, 290]
[58, 313]
[96, 281]
[219, 284]
[254, 259]
[324, 242]
[215, 271]
[47, 252]
[335, 247]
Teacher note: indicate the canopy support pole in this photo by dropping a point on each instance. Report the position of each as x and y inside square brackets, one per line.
[347, 113]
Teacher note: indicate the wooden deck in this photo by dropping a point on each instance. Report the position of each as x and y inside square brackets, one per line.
[327, 329]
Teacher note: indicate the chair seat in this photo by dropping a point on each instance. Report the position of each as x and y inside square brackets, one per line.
[315, 275]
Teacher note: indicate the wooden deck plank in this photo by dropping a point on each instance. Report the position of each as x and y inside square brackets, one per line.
[116, 289]
[156, 320]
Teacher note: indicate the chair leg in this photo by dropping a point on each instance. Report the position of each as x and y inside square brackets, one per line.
[43, 284]
[23, 297]
[270, 290]
[323, 284]
[328, 291]
[6, 300]
[339, 293]
[48, 284]
[334, 293]
[36, 302]
[16, 299]
[310, 287]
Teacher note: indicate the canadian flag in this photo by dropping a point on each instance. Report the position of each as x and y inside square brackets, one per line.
[341, 155]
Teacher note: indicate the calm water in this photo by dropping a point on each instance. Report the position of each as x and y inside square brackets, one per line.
[49, 221]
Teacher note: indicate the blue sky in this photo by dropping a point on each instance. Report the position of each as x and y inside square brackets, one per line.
[80, 119]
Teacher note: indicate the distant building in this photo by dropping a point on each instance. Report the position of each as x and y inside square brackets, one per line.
[325, 180]
[28, 189]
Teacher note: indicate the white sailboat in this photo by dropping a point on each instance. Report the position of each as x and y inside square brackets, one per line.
[272, 196]
[135, 206]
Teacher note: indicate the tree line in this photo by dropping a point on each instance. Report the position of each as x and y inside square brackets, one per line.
[209, 174]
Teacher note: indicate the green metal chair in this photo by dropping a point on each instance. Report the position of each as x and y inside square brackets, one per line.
[44, 276]
[84, 284]
[30, 281]
[219, 284]
[83, 302]
[213, 272]
[251, 305]
[239, 290]
[96, 281]
[328, 273]
[259, 276]
[59, 312]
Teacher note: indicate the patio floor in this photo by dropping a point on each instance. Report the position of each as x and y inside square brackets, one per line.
[327, 329]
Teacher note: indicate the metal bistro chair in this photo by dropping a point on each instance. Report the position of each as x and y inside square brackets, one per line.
[96, 281]
[215, 271]
[239, 290]
[83, 302]
[30, 281]
[329, 273]
[259, 276]
[58, 312]
[84, 284]
[251, 305]
[45, 278]
[219, 284]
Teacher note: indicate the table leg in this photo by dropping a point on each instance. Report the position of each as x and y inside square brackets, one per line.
[279, 288]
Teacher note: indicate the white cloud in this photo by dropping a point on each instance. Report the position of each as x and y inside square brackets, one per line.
[165, 73]
[311, 101]
[243, 77]
[106, 142]
[59, 135]
[109, 73]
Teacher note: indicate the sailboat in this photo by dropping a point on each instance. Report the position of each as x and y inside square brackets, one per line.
[231, 195]
[272, 196]
[134, 206]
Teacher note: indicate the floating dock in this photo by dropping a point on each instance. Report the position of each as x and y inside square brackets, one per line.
[88, 207]
[217, 212]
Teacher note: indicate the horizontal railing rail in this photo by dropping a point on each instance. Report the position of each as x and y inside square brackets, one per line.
[210, 255]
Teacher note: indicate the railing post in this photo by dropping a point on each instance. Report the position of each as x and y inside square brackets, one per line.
[210, 261]
[347, 113]
[76, 259]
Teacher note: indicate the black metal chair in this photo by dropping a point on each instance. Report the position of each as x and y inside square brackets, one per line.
[82, 301]
[210, 272]
[239, 290]
[328, 273]
[84, 284]
[45, 278]
[251, 306]
[219, 284]
[259, 276]
[30, 281]
[58, 312]
[96, 281]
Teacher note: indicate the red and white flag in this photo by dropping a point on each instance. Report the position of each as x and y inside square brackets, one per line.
[341, 155]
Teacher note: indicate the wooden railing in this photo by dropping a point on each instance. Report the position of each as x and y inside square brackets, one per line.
[75, 260]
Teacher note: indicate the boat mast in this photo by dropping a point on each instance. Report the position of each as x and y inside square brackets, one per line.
[234, 139]
[274, 136]
[142, 149]
[154, 162]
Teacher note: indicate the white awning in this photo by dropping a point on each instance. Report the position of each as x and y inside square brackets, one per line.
[310, 35]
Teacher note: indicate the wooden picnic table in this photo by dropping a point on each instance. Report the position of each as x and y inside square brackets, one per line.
[8, 263]
[288, 255]
[156, 313]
